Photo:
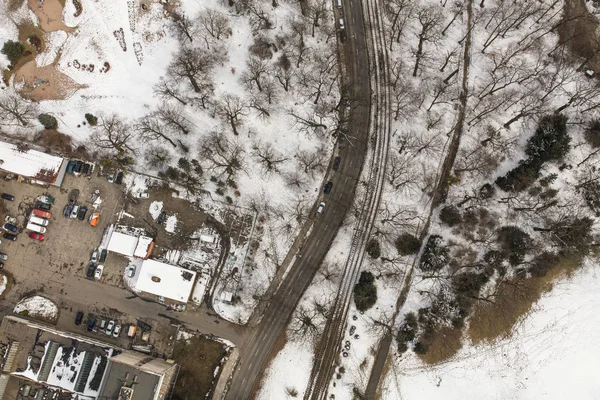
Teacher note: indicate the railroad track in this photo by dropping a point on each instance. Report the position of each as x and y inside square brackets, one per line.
[329, 347]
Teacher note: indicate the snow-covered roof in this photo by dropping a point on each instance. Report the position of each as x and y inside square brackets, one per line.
[144, 247]
[172, 282]
[32, 164]
[122, 244]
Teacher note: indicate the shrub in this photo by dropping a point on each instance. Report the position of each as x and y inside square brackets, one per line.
[550, 141]
[407, 332]
[407, 244]
[13, 50]
[48, 121]
[543, 263]
[573, 233]
[450, 215]
[521, 177]
[435, 255]
[592, 133]
[591, 195]
[514, 242]
[420, 348]
[91, 119]
[373, 248]
[487, 191]
[365, 292]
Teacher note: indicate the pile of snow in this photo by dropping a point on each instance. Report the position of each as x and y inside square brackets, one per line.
[38, 306]
[155, 209]
[171, 224]
[3, 283]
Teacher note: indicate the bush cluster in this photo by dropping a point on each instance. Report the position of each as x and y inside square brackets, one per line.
[407, 244]
[373, 248]
[435, 255]
[48, 121]
[365, 292]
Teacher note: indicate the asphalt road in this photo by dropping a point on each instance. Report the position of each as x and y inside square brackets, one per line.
[352, 149]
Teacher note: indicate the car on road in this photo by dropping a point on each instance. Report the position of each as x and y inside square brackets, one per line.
[321, 207]
[336, 163]
[109, 327]
[68, 209]
[79, 318]
[41, 213]
[338, 3]
[94, 219]
[94, 257]
[103, 253]
[90, 270]
[7, 196]
[98, 273]
[117, 331]
[36, 236]
[10, 236]
[119, 178]
[91, 322]
[341, 22]
[81, 214]
[10, 220]
[75, 211]
[328, 187]
[3, 256]
[11, 227]
[43, 206]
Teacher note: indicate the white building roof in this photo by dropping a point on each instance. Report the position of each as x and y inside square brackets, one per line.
[122, 244]
[33, 164]
[173, 282]
[141, 250]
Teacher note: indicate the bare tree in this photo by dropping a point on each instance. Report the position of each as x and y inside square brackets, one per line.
[304, 325]
[232, 108]
[173, 118]
[195, 65]
[269, 157]
[311, 162]
[257, 69]
[157, 156]
[114, 139]
[15, 110]
[214, 23]
[167, 89]
[184, 27]
[429, 19]
[398, 12]
[224, 156]
[150, 129]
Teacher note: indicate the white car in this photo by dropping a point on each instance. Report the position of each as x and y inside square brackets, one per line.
[98, 273]
[141, 195]
[131, 272]
[94, 255]
[10, 220]
[117, 331]
[341, 22]
[109, 327]
[321, 207]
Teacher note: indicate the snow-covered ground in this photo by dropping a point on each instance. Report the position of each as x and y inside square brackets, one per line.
[553, 353]
[38, 306]
[3, 283]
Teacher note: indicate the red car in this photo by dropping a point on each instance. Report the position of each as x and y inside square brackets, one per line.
[41, 213]
[36, 236]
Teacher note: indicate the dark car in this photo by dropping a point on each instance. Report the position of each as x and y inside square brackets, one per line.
[336, 163]
[103, 255]
[43, 206]
[81, 214]
[7, 196]
[90, 270]
[79, 318]
[91, 322]
[10, 236]
[78, 166]
[162, 217]
[70, 166]
[68, 209]
[86, 168]
[328, 187]
[1, 265]
[11, 227]
[119, 178]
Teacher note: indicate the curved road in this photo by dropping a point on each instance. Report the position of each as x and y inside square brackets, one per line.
[352, 148]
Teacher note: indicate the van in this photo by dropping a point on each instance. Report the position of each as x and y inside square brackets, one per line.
[338, 3]
[38, 220]
[36, 228]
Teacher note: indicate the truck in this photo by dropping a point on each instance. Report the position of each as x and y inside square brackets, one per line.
[132, 330]
[38, 221]
[35, 228]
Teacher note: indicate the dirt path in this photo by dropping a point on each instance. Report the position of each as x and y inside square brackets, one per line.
[49, 12]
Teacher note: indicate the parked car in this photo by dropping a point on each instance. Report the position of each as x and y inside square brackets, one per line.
[110, 178]
[36, 228]
[98, 273]
[75, 211]
[94, 257]
[36, 236]
[3, 256]
[10, 220]
[141, 195]
[43, 206]
[86, 168]
[10, 236]
[102, 325]
[90, 270]
[109, 327]
[41, 213]
[103, 255]
[336, 163]
[328, 187]
[162, 217]
[81, 214]
[79, 318]
[78, 166]
[1, 265]
[117, 331]
[321, 207]
[119, 178]
[94, 219]
[131, 271]
[70, 166]
[91, 322]
[7, 196]
[68, 209]
[38, 221]
[46, 199]
[11, 227]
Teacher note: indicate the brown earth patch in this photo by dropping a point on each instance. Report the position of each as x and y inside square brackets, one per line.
[49, 13]
[53, 140]
[444, 344]
[578, 31]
